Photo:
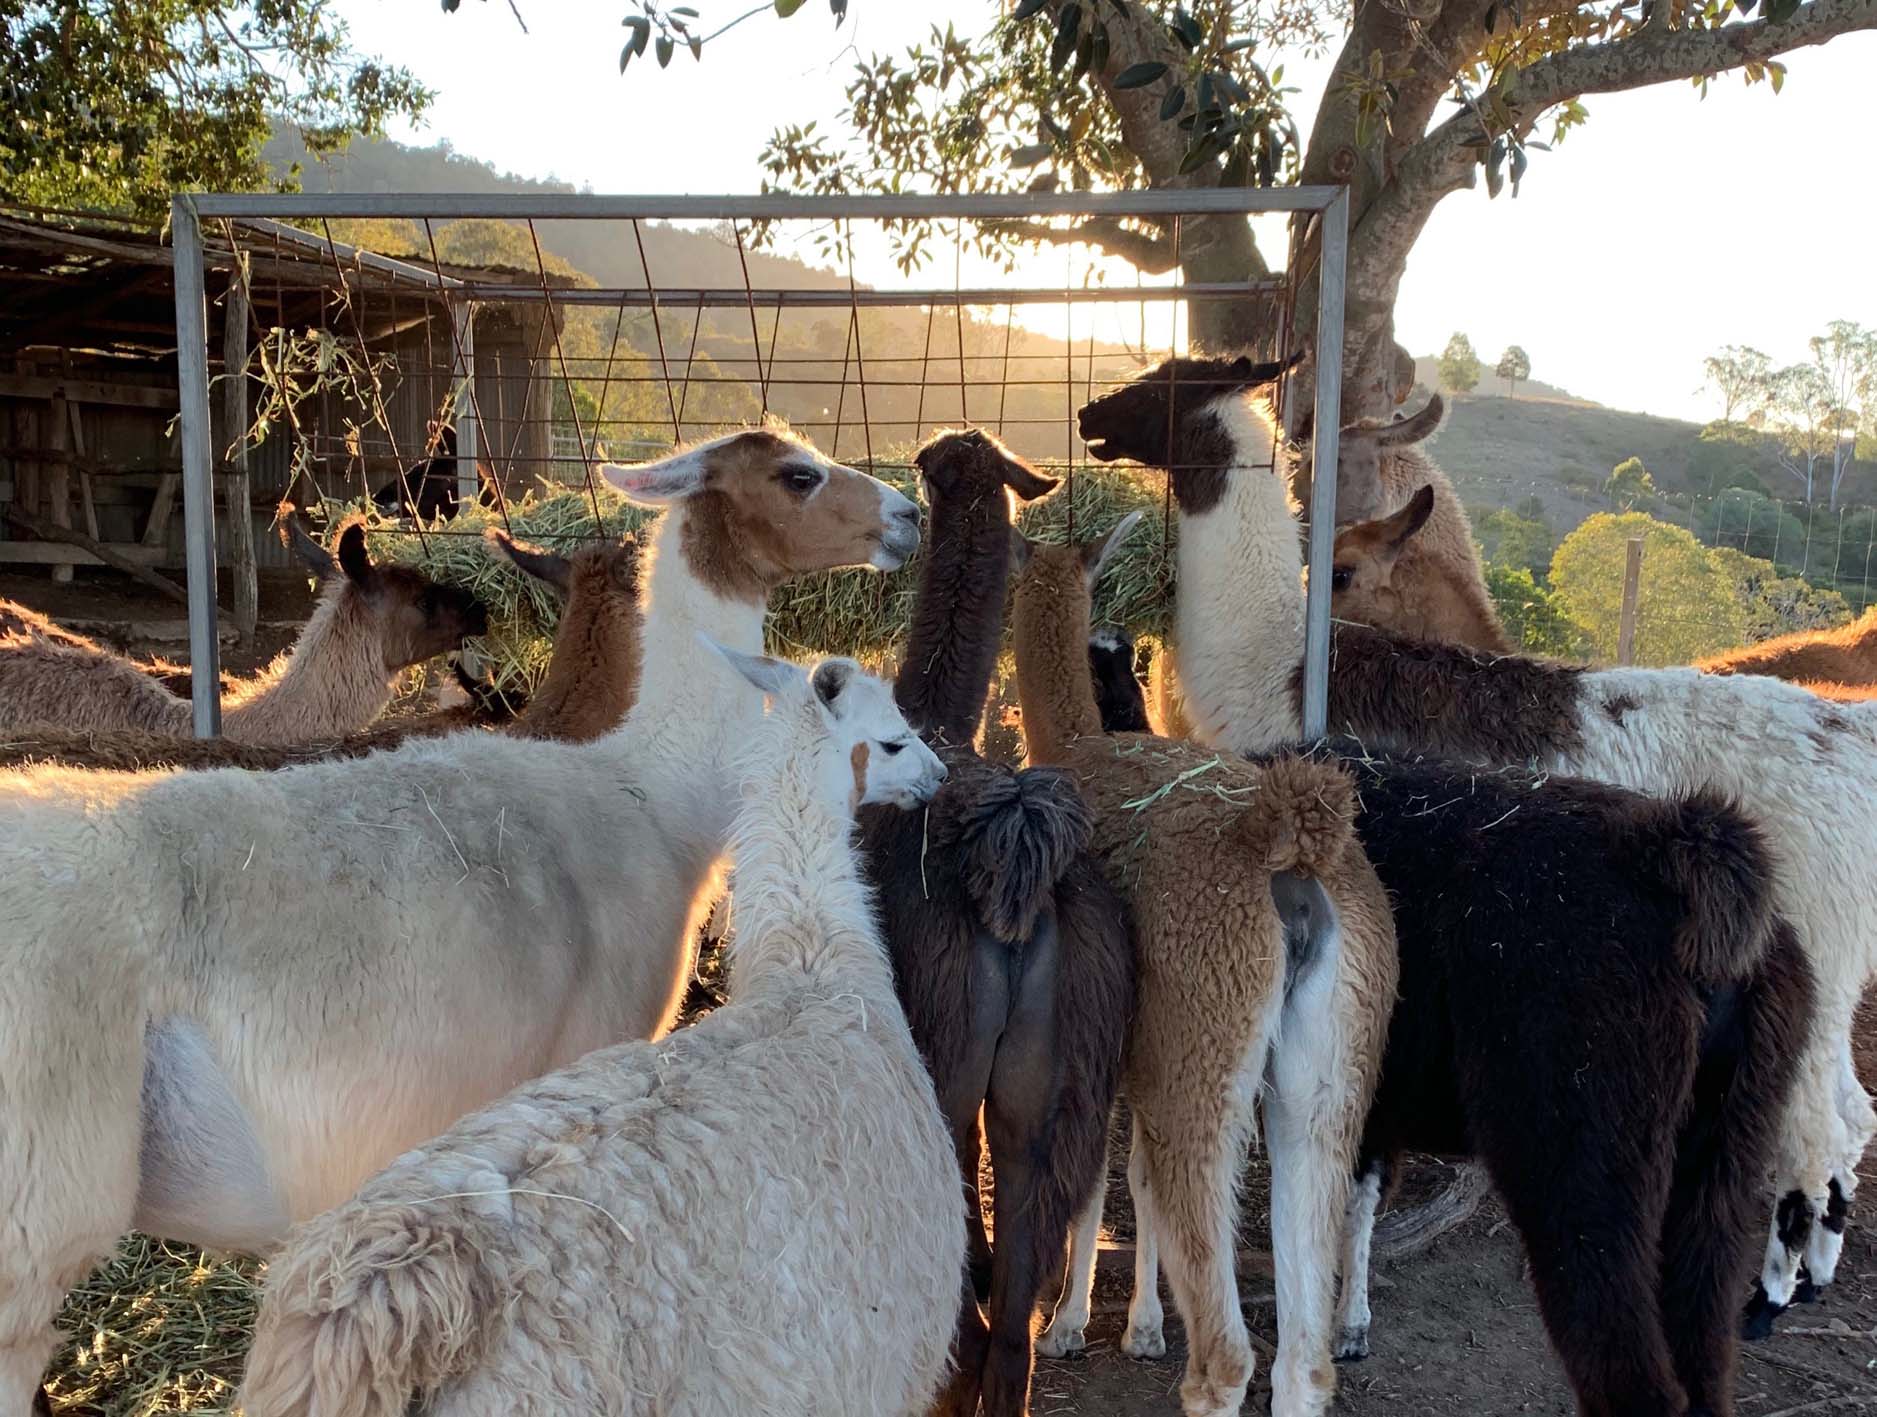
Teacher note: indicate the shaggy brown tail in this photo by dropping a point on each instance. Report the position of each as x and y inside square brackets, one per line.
[1308, 816]
[367, 1307]
[1024, 831]
[1713, 857]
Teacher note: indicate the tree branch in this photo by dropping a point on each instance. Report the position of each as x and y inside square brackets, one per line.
[1150, 253]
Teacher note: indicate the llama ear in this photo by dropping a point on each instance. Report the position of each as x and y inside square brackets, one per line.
[1024, 480]
[1411, 518]
[1096, 554]
[1020, 549]
[657, 483]
[557, 571]
[830, 680]
[1416, 427]
[315, 557]
[354, 560]
[775, 677]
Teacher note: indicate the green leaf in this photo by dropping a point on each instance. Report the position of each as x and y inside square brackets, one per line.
[1027, 9]
[1187, 28]
[785, 8]
[1138, 76]
[685, 10]
[449, 6]
[695, 45]
[625, 57]
[1068, 22]
[1030, 156]
[1492, 18]
[665, 49]
[1173, 102]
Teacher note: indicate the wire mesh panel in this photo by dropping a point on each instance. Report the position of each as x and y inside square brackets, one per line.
[453, 382]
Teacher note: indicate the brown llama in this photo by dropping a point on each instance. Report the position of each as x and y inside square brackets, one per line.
[1011, 954]
[592, 680]
[1267, 971]
[20, 626]
[1844, 657]
[371, 623]
[1379, 575]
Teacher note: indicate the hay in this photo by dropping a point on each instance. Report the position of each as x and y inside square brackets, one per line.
[155, 1328]
[857, 613]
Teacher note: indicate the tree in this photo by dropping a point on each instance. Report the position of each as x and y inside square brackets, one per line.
[1687, 605]
[1459, 365]
[1756, 525]
[1087, 94]
[114, 104]
[1533, 617]
[1845, 357]
[1804, 418]
[1774, 604]
[1513, 540]
[1514, 365]
[1740, 375]
[1629, 483]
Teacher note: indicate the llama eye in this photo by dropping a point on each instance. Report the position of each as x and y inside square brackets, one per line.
[801, 480]
[1340, 577]
[891, 749]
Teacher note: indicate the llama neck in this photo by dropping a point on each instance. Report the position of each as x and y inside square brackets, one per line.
[693, 708]
[1460, 612]
[593, 675]
[334, 680]
[802, 907]
[1238, 622]
[1054, 691]
[958, 619]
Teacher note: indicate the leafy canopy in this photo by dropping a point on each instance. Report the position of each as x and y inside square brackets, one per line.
[114, 104]
[1687, 606]
[1459, 365]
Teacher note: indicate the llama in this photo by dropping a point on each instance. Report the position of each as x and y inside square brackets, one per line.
[1844, 656]
[1538, 918]
[592, 680]
[757, 1214]
[1012, 954]
[1377, 579]
[1267, 969]
[471, 912]
[371, 623]
[1118, 699]
[427, 488]
[1803, 768]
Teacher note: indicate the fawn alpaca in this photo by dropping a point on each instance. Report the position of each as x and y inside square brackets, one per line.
[758, 1214]
[1267, 971]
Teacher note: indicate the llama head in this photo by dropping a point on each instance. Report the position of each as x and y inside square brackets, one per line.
[763, 505]
[1360, 450]
[1118, 692]
[1362, 570]
[969, 466]
[1064, 575]
[1191, 416]
[412, 616]
[865, 752]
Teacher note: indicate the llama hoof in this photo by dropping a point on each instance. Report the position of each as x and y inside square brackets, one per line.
[1807, 1292]
[1352, 1344]
[1053, 1344]
[1757, 1322]
[1144, 1341]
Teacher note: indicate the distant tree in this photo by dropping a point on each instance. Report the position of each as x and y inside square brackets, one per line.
[1845, 357]
[1755, 524]
[1776, 604]
[1728, 455]
[1805, 421]
[1687, 606]
[1533, 617]
[1739, 374]
[1514, 366]
[1459, 366]
[1508, 539]
[1628, 484]
[1532, 508]
[114, 104]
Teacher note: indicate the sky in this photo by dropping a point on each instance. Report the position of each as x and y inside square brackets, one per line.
[1668, 226]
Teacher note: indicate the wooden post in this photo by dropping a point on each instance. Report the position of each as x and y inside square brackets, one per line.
[1632, 590]
[235, 493]
[58, 475]
[86, 495]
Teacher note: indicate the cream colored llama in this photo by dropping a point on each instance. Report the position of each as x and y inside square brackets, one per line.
[1804, 768]
[1267, 975]
[758, 1214]
[372, 621]
[227, 997]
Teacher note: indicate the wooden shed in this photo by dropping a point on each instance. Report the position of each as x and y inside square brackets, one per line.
[90, 461]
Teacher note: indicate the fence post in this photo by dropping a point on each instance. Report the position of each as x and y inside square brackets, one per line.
[235, 492]
[198, 484]
[468, 435]
[1632, 588]
[1328, 420]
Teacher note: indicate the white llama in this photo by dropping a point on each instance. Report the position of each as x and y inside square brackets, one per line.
[756, 1215]
[226, 998]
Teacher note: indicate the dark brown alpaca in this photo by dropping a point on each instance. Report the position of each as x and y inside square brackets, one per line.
[591, 682]
[1010, 952]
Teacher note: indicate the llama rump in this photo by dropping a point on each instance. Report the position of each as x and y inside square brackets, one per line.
[1597, 1000]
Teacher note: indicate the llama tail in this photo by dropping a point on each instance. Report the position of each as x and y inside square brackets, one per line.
[1714, 858]
[373, 1303]
[1308, 816]
[1025, 830]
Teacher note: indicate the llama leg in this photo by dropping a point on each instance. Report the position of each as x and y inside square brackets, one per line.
[1146, 1331]
[969, 1144]
[1067, 1331]
[970, 1342]
[1813, 1140]
[1353, 1317]
[1854, 1109]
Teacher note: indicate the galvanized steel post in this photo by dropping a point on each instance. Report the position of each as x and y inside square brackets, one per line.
[1328, 424]
[468, 435]
[198, 484]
